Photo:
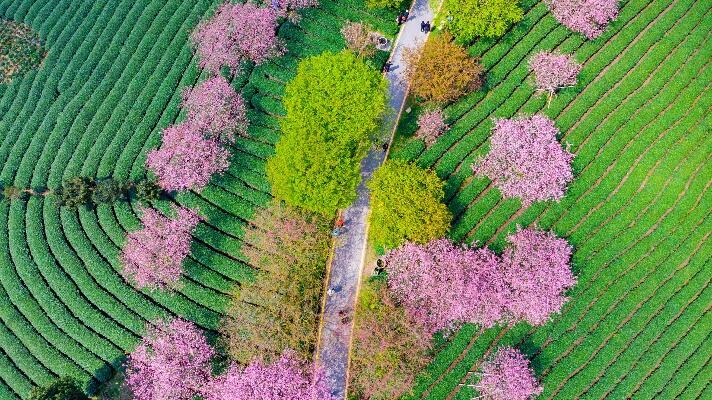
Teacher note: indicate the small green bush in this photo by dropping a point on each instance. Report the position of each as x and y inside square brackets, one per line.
[406, 205]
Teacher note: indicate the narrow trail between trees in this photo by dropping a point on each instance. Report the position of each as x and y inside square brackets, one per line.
[348, 253]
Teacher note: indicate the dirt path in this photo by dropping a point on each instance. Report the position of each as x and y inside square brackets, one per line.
[349, 251]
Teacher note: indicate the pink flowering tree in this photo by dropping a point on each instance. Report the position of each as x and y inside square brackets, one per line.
[286, 378]
[237, 32]
[172, 362]
[431, 125]
[216, 109]
[153, 256]
[553, 71]
[588, 17]
[187, 159]
[526, 161]
[507, 376]
[537, 272]
[442, 285]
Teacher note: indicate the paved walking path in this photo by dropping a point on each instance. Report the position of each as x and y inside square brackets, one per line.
[349, 252]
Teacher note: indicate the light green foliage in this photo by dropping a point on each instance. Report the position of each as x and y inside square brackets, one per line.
[406, 205]
[383, 3]
[333, 106]
[469, 19]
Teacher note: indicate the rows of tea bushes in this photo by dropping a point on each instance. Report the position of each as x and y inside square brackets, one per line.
[111, 82]
[637, 211]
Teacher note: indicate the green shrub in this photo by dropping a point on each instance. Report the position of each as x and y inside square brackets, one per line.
[20, 50]
[333, 106]
[65, 388]
[406, 205]
[383, 3]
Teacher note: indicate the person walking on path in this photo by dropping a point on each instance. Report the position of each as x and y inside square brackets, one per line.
[338, 227]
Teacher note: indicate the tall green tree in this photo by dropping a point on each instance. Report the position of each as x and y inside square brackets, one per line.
[334, 106]
[406, 205]
[469, 19]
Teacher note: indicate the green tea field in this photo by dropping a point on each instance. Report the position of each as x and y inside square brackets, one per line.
[637, 213]
[111, 81]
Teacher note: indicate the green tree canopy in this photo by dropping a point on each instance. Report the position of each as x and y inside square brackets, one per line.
[406, 205]
[469, 19]
[65, 388]
[334, 105]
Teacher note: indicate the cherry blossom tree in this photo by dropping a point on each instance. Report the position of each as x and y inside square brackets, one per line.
[237, 32]
[526, 161]
[588, 17]
[287, 378]
[172, 362]
[216, 109]
[507, 376]
[553, 71]
[537, 273]
[441, 284]
[431, 125]
[359, 38]
[153, 256]
[186, 159]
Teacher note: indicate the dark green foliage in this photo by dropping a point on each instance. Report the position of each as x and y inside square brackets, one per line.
[147, 191]
[108, 191]
[65, 388]
[76, 192]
